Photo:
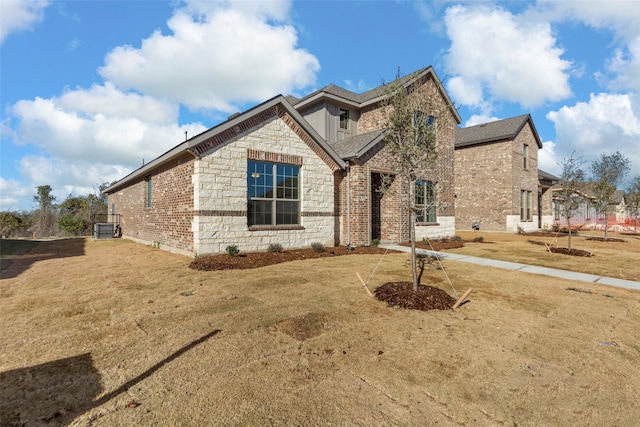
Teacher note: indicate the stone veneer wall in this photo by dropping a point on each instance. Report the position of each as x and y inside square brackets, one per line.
[394, 205]
[167, 222]
[220, 183]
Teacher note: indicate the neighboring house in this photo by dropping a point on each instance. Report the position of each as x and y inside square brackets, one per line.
[587, 213]
[498, 183]
[288, 171]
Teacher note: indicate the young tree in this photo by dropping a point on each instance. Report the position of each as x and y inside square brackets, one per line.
[608, 172]
[44, 216]
[568, 193]
[632, 199]
[411, 143]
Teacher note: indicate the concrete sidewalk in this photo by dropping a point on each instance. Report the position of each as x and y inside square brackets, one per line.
[553, 272]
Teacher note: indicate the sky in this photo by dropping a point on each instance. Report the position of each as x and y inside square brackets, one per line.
[89, 90]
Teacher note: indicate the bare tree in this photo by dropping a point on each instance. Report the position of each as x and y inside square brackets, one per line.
[568, 194]
[608, 172]
[45, 215]
[632, 199]
[410, 139]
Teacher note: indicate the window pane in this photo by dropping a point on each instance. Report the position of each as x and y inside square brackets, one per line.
[344, 119]
[260, 212]
[420, 193]
[286, 213]
[287, 182]
[260, 179]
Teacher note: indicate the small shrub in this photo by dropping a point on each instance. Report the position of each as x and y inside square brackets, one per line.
[478, 239]
[555, 227]
[274, 248]
[456, 238]
[520, 230]
[232, 250]
[425, 241]
[375, 243]
[317, 247]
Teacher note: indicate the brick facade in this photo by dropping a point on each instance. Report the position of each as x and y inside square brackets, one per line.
[167, 223]
[386, 216]
[488, 181]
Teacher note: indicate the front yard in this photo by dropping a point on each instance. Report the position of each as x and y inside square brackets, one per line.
[113, 333]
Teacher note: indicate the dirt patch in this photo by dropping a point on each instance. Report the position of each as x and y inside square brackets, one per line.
[303, 327]
[401, 294]
[263, 259]
[572, 252]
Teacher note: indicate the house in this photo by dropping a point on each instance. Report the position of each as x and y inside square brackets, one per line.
[288, 171]
[587, 213]
[498, 185]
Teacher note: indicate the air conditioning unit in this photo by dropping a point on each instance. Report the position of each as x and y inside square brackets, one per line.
[103, 230]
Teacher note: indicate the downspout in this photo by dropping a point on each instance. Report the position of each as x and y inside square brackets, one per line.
[348, 204]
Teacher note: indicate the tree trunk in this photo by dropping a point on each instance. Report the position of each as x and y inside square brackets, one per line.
[606, 225]
[412, 234]
[569, 225]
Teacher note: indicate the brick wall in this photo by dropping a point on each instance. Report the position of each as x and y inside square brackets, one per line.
[392, 208]
[168, 221]
[488, 181]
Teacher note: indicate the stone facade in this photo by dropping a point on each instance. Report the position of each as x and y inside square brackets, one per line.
[488, 181]
[220, 187]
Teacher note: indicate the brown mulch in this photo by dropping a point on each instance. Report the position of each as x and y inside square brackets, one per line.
[401, 294]
[573, 252]
[608, 239]
[439, 244]
[263, 259]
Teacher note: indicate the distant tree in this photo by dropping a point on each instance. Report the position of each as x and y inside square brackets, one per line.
[632, 199]
[410, 139]
[608, 172]
[568, 194]
[44, 217]
[13, 223]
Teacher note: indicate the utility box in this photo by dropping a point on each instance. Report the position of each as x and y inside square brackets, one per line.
[103, 230]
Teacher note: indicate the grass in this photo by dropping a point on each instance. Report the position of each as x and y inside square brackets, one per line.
[612, 259]
[113, 333]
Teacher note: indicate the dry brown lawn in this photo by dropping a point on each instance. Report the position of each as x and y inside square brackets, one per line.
[613, 259]
[113, 333]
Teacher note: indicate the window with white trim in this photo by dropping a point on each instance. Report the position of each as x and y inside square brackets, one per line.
[273, 193]
[344, 119]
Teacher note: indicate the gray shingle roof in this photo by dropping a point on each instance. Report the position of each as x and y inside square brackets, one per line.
[494, 131]
[355, 146]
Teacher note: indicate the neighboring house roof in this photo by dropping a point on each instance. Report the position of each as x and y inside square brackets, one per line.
[500, 130]
[344, 96]
[355, 146]
[547, 178]
[235, 125]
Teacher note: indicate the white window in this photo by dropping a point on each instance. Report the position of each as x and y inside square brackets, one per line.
[273, 190]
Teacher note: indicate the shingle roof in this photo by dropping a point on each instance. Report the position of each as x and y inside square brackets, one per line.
[355, 146]
[494, 131]
[547, 176]
[372, 95]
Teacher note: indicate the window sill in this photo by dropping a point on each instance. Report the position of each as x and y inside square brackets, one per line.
[427, 224]
[275, 227]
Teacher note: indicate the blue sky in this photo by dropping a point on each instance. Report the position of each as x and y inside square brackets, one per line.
[89, 89]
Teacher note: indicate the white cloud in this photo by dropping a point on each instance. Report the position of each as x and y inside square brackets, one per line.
[478, 119]
[547, 158]
[605, 124]
[101, 124]
[495, 54]
[18, 15]
[226, 57]
[12, 194]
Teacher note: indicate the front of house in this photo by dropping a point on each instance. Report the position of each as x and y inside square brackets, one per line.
[498, 184]
[290, 172]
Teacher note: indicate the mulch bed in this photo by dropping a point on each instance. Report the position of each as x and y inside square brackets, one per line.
[573, 252]
[608, 239]
[438, 245]
[263, 259]
[401, 294]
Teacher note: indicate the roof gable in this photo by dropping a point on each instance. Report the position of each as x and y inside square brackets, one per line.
[236, 125]
[339, 94]
[500, 130]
